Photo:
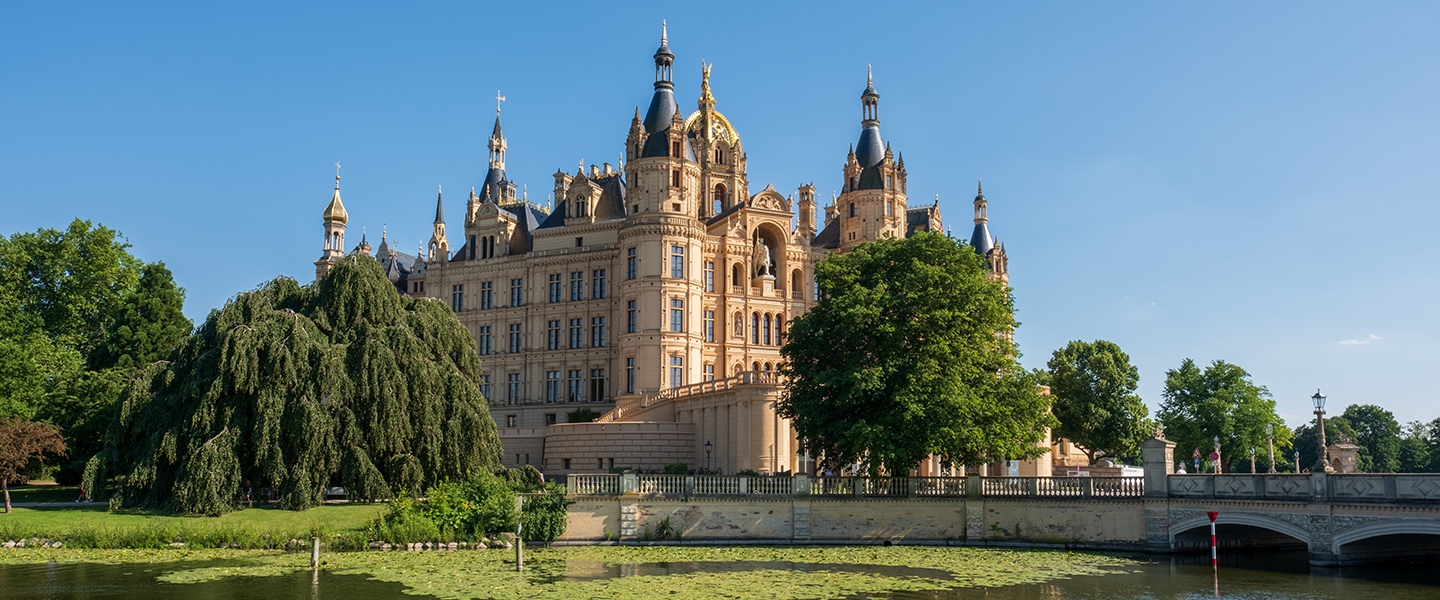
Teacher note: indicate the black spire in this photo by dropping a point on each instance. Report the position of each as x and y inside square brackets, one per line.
[662, 105]
[439, 211]
[980, 239]
[870, 150]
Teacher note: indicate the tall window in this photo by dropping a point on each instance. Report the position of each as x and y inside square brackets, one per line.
[677, 262]
[555, 287]
[709, 325]
[630, 316]
[457, 298]
[755, 328]
[597, 284]
[577, 286]
[677, 314]
[517, 292]
[485, 387]
[709, 372]
[777, 330]
[485, 340]
[515, 342]
[677, 371]
[552, 335]
[597, 385]
[631, 263]
[736, 278]
[630, 375]
[574, 391]
[487, 295]
[675, 176]
[552, 386]
[597, 332]
[852, 209]
[513, 381]
[577, 330]
[709, 276]
[767, 329]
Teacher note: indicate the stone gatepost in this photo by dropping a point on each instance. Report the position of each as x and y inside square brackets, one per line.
[1159, 456]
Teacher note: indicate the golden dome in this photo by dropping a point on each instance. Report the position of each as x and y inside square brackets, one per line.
[335, 211]
[711, 127]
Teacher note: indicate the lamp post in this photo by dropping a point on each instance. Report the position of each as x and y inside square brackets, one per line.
[708, 448]
[1217, 455]
[1252, 460]
[1297, 461]
[1270, 436]
[1324, 464]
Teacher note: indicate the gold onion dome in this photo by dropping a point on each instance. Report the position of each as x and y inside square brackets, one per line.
[335, 211]
[708, 124]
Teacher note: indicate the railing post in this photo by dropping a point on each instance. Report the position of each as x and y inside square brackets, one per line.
[1159, 456]
[689, 486]
[910, 487]
[744, 486]
[858, 486]
[974, 486]
[800, 485]
[1032, 486]
[629, 483]
[1087, 487]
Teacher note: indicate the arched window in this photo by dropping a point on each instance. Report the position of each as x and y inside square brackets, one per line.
[736, 275]
[767, 329]
[755, 328]
[719, 156]
[720, 198]
[767, 366]
[797, 283]
[755, 366]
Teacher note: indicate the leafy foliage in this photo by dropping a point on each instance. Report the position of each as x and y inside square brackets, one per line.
[342, 382]
[1094, 387]
[22, 442]
[544, 517]
[1377, 433]
[581, 415]
[1307, 439]
[909, 354]
[1220, 402]
[149, 324]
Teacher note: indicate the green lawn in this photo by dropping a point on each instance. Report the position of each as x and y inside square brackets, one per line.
[56, 521]
[44, 493]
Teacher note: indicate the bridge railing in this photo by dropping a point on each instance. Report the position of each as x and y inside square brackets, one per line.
[1349, 487]
[855, 487]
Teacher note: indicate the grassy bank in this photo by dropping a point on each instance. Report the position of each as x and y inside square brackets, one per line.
[586, 571]
[341, 526]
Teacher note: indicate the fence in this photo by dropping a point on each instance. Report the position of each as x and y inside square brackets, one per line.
[974, 486]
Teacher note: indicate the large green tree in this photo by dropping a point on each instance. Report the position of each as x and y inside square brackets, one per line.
[1377, 433]
[1094, 387]
[342, 382]
[1222, 402]
[1415, 448]
[149, 323]
[909, 354]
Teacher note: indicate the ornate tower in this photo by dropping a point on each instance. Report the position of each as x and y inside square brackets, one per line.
[439, 246]
[872, 206]
[805, 221]
[984, 244]
[719, 152]
[335, 218]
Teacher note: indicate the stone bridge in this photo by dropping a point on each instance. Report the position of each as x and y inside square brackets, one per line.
[1339, 519]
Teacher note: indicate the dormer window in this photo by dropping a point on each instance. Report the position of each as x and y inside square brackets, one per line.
[719, 156]
[581, 207]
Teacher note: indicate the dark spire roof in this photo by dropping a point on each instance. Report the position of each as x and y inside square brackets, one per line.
[980, 239]
[439, 210]
[496, 133]
[662, 105]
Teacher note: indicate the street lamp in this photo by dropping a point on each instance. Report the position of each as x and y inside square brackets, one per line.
[708, 448]
[1217, 455]
[1252, 460]
[1324, 465]
[1270, 435]
[1297, 461]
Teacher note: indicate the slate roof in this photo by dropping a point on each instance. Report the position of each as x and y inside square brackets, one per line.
[828, 238]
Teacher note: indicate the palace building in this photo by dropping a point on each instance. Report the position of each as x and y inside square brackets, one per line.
[655, 294]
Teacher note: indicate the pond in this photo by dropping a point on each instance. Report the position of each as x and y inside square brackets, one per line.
[605, 572]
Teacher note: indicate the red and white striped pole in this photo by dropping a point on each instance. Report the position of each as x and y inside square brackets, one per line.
[1214, 561]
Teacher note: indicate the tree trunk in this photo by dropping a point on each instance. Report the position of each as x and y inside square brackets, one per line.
[5, 483]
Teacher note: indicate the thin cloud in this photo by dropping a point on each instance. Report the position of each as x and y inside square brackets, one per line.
[1372, 338]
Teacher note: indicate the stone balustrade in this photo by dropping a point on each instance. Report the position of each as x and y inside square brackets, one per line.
[973, 486]
[1308, 487]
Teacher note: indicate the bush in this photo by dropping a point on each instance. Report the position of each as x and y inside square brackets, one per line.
[544, 517]
[582, 415]
[676, 469]
[747, 473]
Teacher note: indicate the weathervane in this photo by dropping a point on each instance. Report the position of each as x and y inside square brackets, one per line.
[498, 100]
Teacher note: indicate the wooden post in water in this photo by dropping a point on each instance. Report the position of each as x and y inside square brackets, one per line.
[315, 553]
[519, 548]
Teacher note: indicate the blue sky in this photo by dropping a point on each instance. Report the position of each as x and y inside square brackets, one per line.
[1252, 182]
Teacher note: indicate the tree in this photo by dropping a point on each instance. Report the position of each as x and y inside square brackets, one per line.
[149, 324]
[909, 354]
[20, 443]
[1377, 433]
[71, 281]
[1433, 429]
[1094, 388]
[1415, 448]
[1220, 402]
[1307, 439]
[342, 382]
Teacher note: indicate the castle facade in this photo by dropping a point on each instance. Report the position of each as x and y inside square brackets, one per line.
[655, 293]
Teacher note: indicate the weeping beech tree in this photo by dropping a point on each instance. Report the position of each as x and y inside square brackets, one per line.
[341, 382]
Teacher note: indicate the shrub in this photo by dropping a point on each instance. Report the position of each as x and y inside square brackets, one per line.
[582, 415]
[676, 469]
[545, 517]
[747, 473]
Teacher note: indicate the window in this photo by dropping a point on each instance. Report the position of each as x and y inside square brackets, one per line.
[675, 151]
[513, 380]
[888, 207]
[485, 345]
[552, 335]
[630, 317]
[709, 276]
[457, 298]
[709, 372]
[767, 330]
[487, 295]
[677, 314]
[515, 342]
[755, 328]
[777, 330]
[555, 287]
[631, 261]
[510, 422]
[582, 207]
[579, 242]
[574, 391]
[517, 292]
[736, 278]
[577, 286]
[675, 178]
[485, 387]
[597, 284]
[677, 371]
[567, 463]
[597, 385]
[597, 332]
[549, 419]
[630, 375]
[472, 247]
[677, 262]
[709, 325]
[552, 386]
[576, 330]
[852, 209]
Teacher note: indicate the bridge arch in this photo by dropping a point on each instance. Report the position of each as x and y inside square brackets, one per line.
[1397, 527]
[1240, 518]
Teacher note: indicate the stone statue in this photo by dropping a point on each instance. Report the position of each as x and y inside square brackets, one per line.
[761, 258]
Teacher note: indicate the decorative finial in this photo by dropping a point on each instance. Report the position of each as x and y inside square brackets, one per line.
[1158, 432]
[498, 100]
[525, 193]
[980, 187]
[383, 231]
[663, 33]
[869, 74]
[337, 175]
[549, 202]
[582, 166]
